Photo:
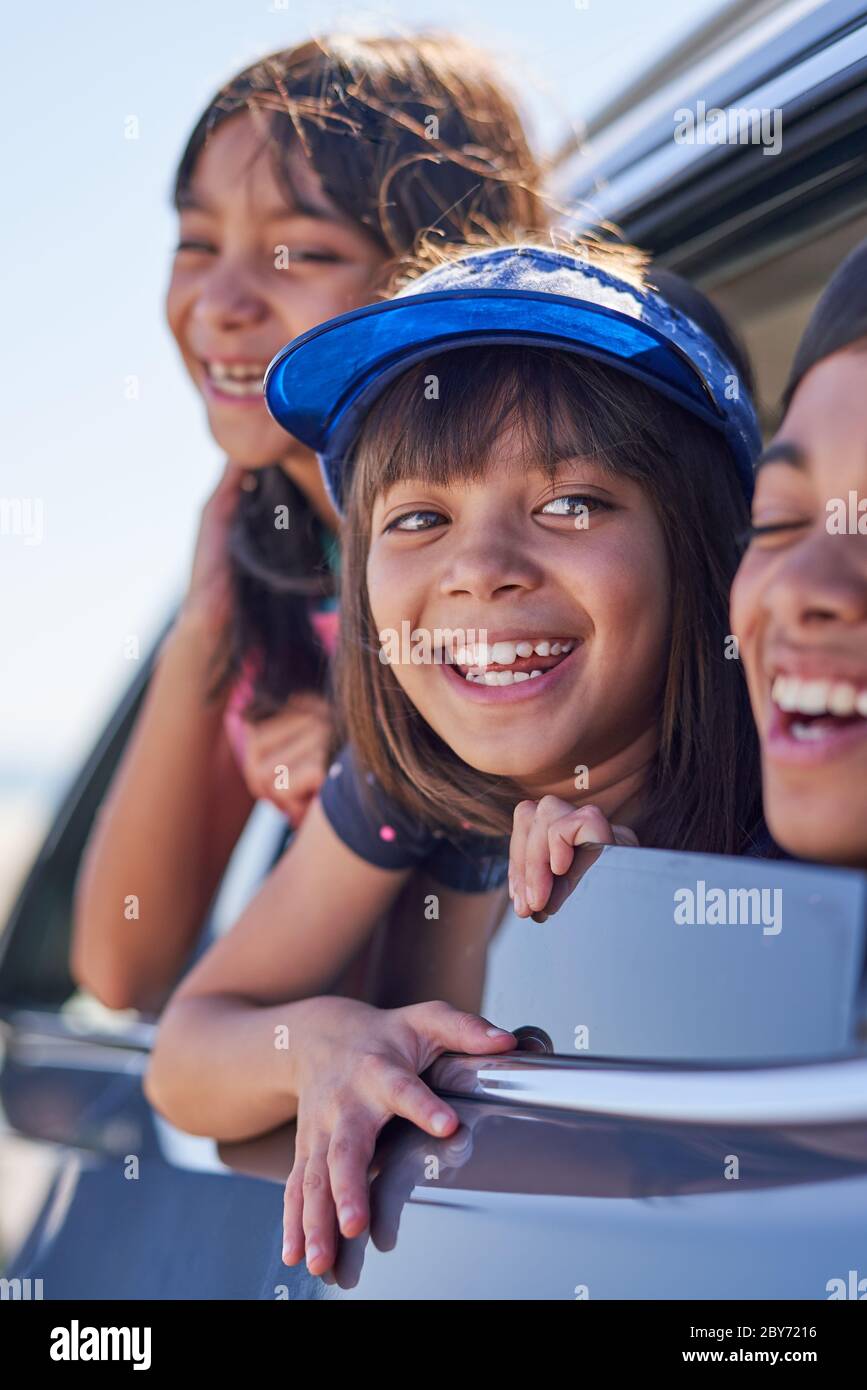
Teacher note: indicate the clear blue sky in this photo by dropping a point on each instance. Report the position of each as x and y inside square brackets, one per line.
[88, 235]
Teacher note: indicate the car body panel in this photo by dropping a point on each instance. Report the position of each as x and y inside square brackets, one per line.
[516, 1205]
[542, 1206]
[525, 1201]
[731, 991]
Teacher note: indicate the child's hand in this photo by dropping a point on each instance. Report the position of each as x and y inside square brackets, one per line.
[285, 758]
[545, 835]
[356, 1067]
[209, 595]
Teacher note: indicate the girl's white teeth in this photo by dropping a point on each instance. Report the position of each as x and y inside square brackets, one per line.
[807, 733]
[241, 371]
[842, 699]
[794, 695]
[505, 653]
[499, 677]
[243, 380]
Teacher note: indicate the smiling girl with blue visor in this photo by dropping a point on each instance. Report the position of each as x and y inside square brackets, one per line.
[464, 428]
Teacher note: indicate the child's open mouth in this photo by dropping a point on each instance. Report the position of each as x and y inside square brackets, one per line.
[236, 381]
[505, 663]
[511, 668]
[815, 718]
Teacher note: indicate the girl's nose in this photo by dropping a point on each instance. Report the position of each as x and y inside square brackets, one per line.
[822, 580]
[484, 569]
[229, 299]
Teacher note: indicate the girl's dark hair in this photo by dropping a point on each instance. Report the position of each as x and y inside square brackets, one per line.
[704, 789]
[405, 135]
[838, 321]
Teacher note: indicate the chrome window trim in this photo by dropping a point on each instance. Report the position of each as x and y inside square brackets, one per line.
[622, 140]
[670, 164]
[818, 1093]
[34, 1028]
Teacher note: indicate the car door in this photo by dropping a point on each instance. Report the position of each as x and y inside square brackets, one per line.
[673, 956]
[561, 1150]
[690, 1120]
[573, 1180]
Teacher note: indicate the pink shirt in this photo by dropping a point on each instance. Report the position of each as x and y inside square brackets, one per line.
[326, 626]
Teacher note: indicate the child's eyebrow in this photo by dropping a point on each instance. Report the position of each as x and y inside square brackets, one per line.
[284, 212]
[783, 452]
[189, 201]
[572, 462]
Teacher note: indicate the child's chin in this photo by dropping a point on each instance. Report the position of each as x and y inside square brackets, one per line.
[810, 830]
[501, 764]
[251, 448]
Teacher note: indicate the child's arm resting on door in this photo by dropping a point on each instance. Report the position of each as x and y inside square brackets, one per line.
[223, 1063]
[226, 1052]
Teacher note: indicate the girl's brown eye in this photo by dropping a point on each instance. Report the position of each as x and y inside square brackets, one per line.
[415, 521]
[573, 504]
[190, 244]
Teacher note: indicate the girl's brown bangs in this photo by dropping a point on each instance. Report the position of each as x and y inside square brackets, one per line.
[439, 422]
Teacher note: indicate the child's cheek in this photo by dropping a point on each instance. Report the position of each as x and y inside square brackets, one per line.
[386, 605]
[396, 587]
[626, 581]
[745, 617]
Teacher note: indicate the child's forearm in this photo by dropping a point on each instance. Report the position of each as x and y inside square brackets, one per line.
[174, 811]
[225, 1067]
[242, 1024]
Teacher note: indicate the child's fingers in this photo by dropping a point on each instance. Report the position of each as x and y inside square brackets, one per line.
[565, 884]
[349, 1156]
[267, 752]
[586, 826]
[293, 1202]
[295, 799]
[401, 1092]
[295, 809]
[295, 736]
[307, 778]
[319, 1218]
[564, 847]
[447, 1029]
[539, 878]
[265, 776]
[522, 819]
